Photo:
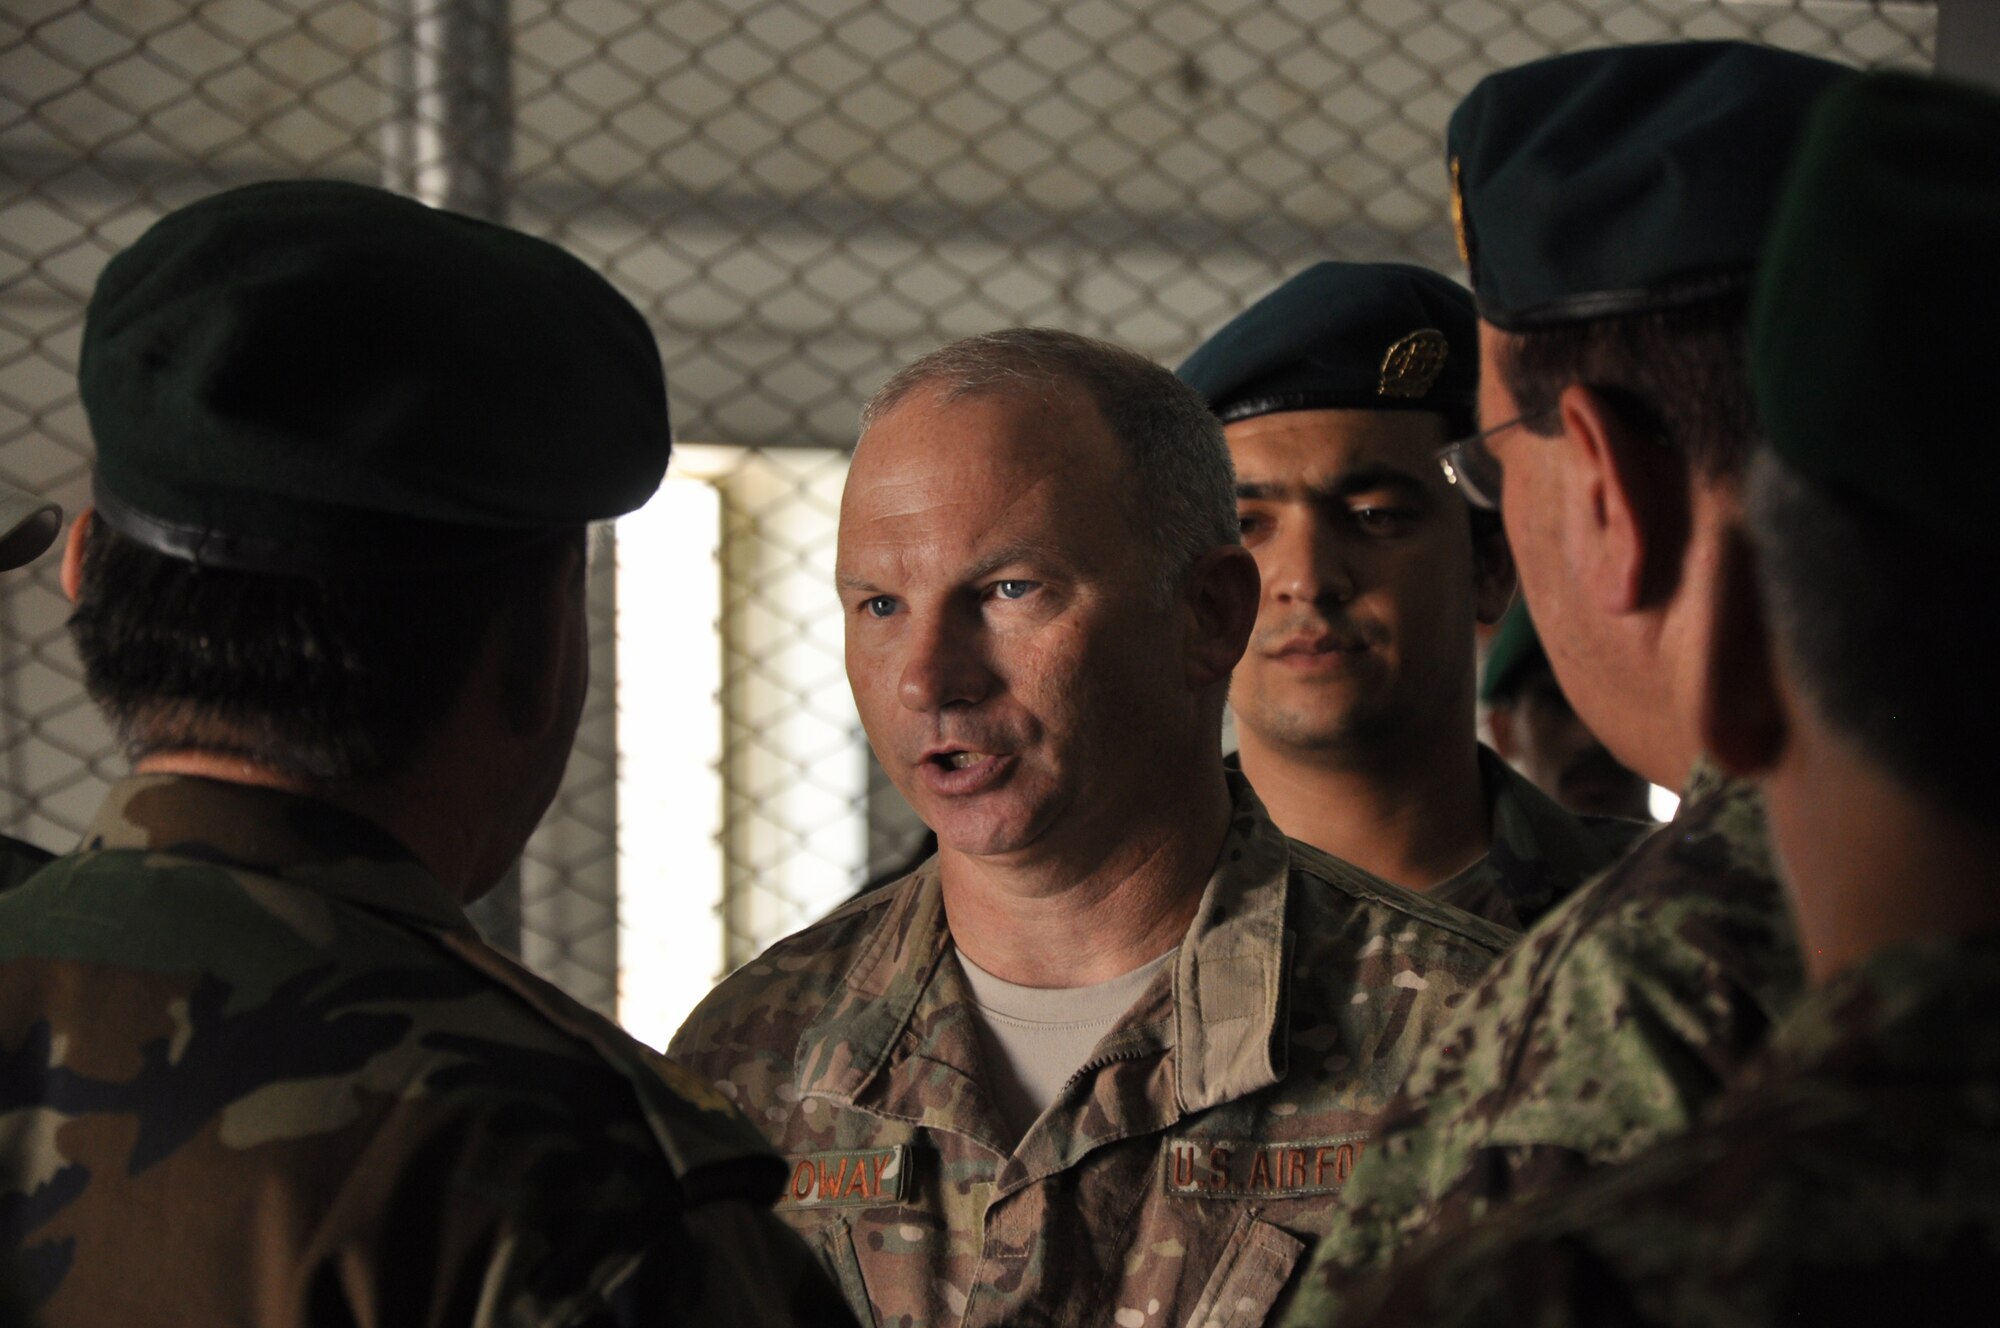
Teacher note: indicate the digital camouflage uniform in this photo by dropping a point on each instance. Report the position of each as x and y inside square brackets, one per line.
[1853, 1178]
[1540, 851]
[258, 1069]
[1615, 1022]
[1183, 1171]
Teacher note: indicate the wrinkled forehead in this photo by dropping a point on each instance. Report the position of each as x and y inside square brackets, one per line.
[939, 481]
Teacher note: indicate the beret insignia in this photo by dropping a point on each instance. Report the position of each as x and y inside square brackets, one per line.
[1458, 231]
[1412, 364]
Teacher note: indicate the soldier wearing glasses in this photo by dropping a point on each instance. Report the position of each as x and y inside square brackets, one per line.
[1612, 204]
[1851, 1174]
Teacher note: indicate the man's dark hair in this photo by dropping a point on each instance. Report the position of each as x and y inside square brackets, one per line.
[1680, 374]
[1889, 629]
[327, 680]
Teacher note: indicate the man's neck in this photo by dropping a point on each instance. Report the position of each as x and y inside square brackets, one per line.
[1414, 821]
[1072, 917]
[1870, 864]
[432, 834]
[1668, 663]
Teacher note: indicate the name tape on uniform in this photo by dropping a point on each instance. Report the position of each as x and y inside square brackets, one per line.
[1246, 1168]
[848, 1178]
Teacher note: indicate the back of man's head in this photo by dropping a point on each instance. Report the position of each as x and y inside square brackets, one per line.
[342, 439]
[1183, 493]
[1874, 506]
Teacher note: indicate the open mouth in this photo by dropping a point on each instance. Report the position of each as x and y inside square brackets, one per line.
[959, 760]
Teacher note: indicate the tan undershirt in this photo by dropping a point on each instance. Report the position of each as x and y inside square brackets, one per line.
[1035, 1038]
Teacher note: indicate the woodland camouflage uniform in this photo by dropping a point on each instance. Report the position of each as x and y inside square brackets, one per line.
[1181, 1174]
[257, 1068]
[1614, 1023]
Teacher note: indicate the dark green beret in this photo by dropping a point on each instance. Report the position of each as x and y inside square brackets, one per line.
[1346, 336]
[1622, 180]
[1872, 342]
[1515, 649]
[313, 377]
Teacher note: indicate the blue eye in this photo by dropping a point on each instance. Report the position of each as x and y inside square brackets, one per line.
[1013, 589]
[881, 606]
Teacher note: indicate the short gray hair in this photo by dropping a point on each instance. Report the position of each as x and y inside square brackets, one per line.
[1185, 491]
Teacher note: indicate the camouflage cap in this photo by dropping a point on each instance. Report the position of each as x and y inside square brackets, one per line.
[1354, 336]
[1515, 649]
[1871, 333]
[1625, 179]
[315, 377]
[28, 525]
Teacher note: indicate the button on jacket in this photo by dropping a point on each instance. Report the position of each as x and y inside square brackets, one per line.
[1180, 1175]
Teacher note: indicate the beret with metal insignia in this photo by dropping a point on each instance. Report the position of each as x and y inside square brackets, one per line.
[1872, 345]
[1626, 179]
[1346, 336]
[313, 377]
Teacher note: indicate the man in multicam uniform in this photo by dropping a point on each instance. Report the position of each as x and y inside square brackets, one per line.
[1354, 702]
[1615, 391]
[28, 526]
[257, 1067]
[1852, 1175]
[1108, 1057]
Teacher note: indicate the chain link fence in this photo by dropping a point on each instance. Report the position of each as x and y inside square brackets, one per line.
[802, 195]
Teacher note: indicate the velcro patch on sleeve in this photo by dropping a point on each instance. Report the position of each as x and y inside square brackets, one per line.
[850, 1178]
[1248, 1168]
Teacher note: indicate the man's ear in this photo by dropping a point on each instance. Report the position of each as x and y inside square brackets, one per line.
[1629, 517]
[1741, 716]
[1221, 593]
[72, 559]
[1494, 579]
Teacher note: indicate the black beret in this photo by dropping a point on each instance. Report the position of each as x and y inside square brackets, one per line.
[313, 377]
[1346, 336]
[1872, 331]
[1627, 179]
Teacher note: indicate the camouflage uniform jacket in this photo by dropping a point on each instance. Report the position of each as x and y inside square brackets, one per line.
[1854, 1177]
[1181, 1172]
[1617, 1021]
[1540, 851]
[256, 1068]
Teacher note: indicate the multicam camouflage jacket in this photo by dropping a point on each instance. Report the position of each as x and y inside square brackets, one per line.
[1180, 1174]
[1852, 1177]
[256, 1068]
[1615, 1022]
[1540, 852]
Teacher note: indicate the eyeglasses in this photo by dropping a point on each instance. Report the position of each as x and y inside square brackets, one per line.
[1471, 465]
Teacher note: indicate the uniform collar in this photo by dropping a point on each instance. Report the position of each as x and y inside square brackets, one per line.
[1228, 982]
[1922, 1010]
[297, 839]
